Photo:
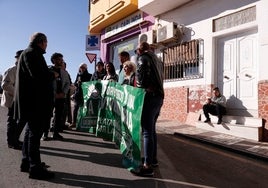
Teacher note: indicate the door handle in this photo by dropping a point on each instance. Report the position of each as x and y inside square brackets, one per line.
[247, 75]
[226, 77]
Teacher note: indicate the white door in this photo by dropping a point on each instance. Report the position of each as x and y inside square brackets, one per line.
[237, 67]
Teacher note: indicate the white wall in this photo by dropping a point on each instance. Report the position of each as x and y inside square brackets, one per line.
[198, 17]
[262, 16]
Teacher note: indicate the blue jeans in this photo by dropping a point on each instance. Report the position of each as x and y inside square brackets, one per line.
[151, 110]
[31, 144]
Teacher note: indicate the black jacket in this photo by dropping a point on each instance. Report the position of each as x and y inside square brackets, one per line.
[150, 73]
[80, 77]
[98, 75]
[131, 81]
[33, 89]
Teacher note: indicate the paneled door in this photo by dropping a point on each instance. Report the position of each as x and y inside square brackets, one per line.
[237, 72]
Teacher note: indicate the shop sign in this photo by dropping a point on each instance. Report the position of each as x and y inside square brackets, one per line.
[124, 24]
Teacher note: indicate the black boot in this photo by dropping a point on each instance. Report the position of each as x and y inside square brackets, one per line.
[40, 173]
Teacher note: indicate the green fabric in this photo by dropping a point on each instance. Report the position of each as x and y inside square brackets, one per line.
[113, 112]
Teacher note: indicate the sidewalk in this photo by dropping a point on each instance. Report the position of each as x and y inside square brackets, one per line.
[243, 146]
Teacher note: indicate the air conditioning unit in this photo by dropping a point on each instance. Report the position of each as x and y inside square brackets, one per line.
[168, 32]
[149, 37]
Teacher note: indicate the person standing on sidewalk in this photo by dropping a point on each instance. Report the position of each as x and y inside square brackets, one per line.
[123, 56]
[32, 102]
[14, 127]
[99, 73]
[130, 73]
[82, 76]
[61, 87]
[149, 77]
[67, 115]
[110, 72]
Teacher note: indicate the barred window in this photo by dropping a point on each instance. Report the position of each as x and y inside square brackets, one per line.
[184, 61]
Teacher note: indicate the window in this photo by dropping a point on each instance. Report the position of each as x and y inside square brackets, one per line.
[184, 61]
[128, 45]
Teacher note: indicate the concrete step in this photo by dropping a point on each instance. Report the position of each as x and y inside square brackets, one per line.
[240, 120]
[244, 127]
[252, 133]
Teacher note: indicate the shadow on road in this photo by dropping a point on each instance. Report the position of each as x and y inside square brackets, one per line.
[108, 159]
[75, 180]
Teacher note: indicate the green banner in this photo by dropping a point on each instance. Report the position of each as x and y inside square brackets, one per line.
[88, 113]
[113, 112]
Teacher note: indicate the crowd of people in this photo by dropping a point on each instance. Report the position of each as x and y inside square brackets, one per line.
[38, 98]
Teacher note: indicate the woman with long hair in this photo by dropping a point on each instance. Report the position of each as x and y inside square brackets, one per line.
[110, 72]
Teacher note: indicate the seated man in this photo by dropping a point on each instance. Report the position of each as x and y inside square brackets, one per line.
[215, 106]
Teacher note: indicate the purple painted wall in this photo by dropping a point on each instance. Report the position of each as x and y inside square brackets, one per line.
[136, 30]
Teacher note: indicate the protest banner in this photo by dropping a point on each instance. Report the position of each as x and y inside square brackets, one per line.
[113, 112]
[88, 113]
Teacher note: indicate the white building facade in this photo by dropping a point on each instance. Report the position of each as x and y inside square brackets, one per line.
[208, 43]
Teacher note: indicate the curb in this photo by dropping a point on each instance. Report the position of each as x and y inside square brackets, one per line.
[223, 146]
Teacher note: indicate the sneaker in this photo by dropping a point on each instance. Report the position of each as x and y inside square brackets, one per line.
[143, 171]
[44, 138]
[73, 125]
[57, 136]
[207, 121]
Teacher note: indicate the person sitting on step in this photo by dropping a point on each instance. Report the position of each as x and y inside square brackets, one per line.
[215, 106]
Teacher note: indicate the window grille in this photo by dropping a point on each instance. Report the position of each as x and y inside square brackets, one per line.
[184, 61]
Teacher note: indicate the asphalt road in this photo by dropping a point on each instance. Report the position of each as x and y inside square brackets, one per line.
[82, 160]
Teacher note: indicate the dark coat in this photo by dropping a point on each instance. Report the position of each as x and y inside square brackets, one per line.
[98, 75]
[131, 81]
[33, 89]
[80, 78]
